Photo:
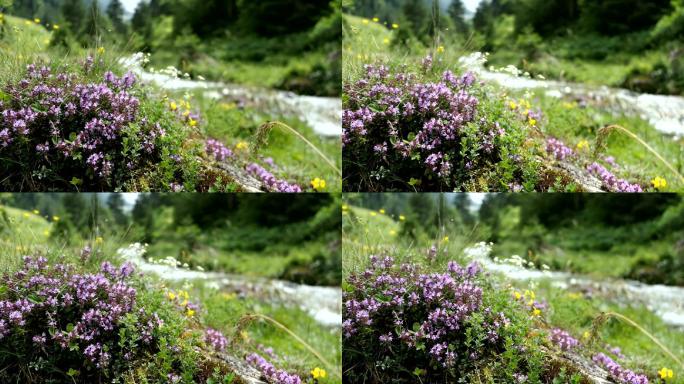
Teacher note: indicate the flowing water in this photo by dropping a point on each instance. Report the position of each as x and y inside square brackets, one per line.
[323, 304]
[322, 114]
[665, 113]
[667, 302]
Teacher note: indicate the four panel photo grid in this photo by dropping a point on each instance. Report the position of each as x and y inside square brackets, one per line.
[341, 191]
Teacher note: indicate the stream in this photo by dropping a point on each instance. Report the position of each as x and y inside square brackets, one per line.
[322, 114]
[665, 113]
[323, 304]
[666, 302]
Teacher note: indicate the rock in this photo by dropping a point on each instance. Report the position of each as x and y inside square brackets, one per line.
[246, 181]
[580, 177]
[245, 373]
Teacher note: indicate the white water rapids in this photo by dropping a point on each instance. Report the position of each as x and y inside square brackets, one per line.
[322, 114]
[665, 113]
[666, 302]
[323, 304]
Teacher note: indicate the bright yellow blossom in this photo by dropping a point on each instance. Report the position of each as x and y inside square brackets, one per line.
[382, 211]
[101, 50]
[99, 240]
[46, 232]
[171, 296]
[365, 21]
[55, 218]
[36, 20]
[517, 295]
[241, 146]
[395, 26]
[375, 19]
[318, 373]
[582, 144]
[533, 122]
[512, 104]
[373, 213]
[173, 106]
[440, 49]
[402, 217]
[385, 41]
[392, 232]
[55, 27]
[193, 122]
[536, 312]
[190, 312]
[318, 184]
[659, 183]
[36, 212]
[445, 239]
[666, 373]
[586, 335]
[26, 214]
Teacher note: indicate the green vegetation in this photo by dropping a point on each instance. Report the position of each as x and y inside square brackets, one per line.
[62, 227]
[53, 33]
[429, 230]
[588, 131]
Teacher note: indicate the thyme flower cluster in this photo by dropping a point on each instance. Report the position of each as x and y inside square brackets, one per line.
[59, 125]
[55, 312]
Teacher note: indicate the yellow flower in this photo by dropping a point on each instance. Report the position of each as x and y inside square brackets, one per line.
[190, 312]
[99, 240]
[402, 217]
[27, 22]
[373, 213]
[365, 21]
[375, 19]
[533, 122]
[26, 214]
[193, 122]
[586, 335]
[184, 294]
[395, 26]
[517, 295]
[392, 232]
[345, 207]
[512, 104]
[582, 144]
[36, 20]
[173, 106]
[659, 183]
[386, 41]
[36, 212]
[318, 373]
[666, 373]
[171, 295]
[186, 113]
[445, 239]
[101, 50]
[440, 49]
[382, 211]
[318, 184]
[55, 218]
[536, 312]
[241, 146]
[530, 294]
[46, 232]
[55, 27]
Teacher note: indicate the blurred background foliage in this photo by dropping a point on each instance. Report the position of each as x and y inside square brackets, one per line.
[627, 43]
[292, 45]
[292, 237]
[637, 237]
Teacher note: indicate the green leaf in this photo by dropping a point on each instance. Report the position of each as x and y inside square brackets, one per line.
[69, 327]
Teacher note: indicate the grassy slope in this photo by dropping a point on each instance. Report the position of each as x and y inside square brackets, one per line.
[219, 310]
[371, 43]
[364, 235]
